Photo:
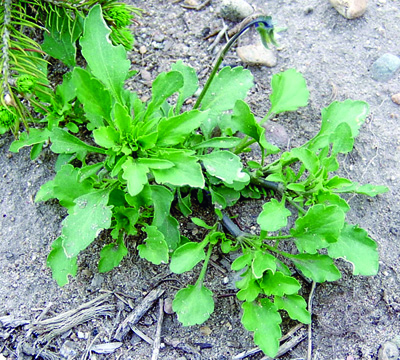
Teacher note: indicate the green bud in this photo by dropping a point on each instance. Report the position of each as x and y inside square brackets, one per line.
[26, 84]
[120, 15]
[7, 117]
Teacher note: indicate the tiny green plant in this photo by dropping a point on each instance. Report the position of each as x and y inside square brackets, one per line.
[154, 159]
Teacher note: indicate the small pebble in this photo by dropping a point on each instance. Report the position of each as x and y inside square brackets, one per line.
[388, 351]
[350, 9]
[143, 49]
[385, 67]
[168, 306]
[235, 10]
[68, 349]
[257, 55]
[191, 2]
[396, 98]
[146, 76]
[205, 330]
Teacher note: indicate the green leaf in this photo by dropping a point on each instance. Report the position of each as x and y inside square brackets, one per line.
[135, 174]
[228, 86]
[308, 158]
[226, 166]
[184, 204]
[193, 304]
[289, 92]
[163, 87]
[106, 136]
[87, 219]
[61, 265]
[35, 136]
[250, 292]
[367, 189]
[242, 261]
[262, 317]
[107, 62]
[244, 121]
[201, 223]
[261, 263]
[166, 223]
[187, 256]
[59, 40]
[349, 111]
[111, 256]
[175, 130]
[279, 284]
[155, 248]
[295, 306]
[319, 268]
[274, 216]
[122, 119]
[190, 83]
[91, 93]
[342, 139]
[354, 245]
[187, 170]
[219, 143]
[154, 163]
[63, 142]
[320, 226]
[65, 186]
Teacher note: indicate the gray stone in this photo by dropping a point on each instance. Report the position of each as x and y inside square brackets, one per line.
[256, 55]
[350, 9]
[235, 10]
[388, 351]
[68, 350]
[385, 67]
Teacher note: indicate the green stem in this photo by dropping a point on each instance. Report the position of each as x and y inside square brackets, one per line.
[200, 279]
[221, 57]
[278, 237]
[244, 146]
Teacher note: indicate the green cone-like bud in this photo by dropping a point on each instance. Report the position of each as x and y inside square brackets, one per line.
[7, 117]
[26, 84]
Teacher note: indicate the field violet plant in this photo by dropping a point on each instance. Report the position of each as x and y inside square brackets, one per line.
[154, 159]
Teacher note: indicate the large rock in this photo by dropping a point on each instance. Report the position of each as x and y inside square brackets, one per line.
[235, 10]
[350, 9]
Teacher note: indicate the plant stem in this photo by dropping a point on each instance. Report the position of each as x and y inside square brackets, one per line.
[205, 264]
[244, 146]
[221, 57]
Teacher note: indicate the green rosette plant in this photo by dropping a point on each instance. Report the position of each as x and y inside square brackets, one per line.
[155, 158]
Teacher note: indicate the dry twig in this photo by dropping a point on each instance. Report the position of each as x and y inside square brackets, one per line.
[157, 340]
[310, 298]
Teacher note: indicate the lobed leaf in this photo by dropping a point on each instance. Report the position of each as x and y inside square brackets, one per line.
[261, 263]
[193, 304]
[111, 256]
[187, 256]
[135, 174]
[274, 216]
[295, 306]
[279, 284]
[262, 317]
[155, 248]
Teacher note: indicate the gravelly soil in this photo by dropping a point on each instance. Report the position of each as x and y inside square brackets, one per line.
[352, 317]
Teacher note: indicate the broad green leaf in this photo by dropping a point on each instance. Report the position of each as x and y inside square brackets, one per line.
[349, 111]
[175, 130]
[87, 219]
[91, 93]
[187, 256]
[193, 304]
[226, 166]
[61, 265]
[279, 284]
[106, 136]
[328, 198]
[242, 261]
[184, 204]
[250, 292]
[135, 174]
[295, 306]
[337, 182]
[59, 40]
[65, 187]
[274, 216]
[261, 263]
[155, 248]
[244, 121]
[201, 223]
[367, 189]
[163, 87]
[289, 92]
[219, 143]
[354, 245]
[35, 136]
[111, 256]
[320, 226]
[230, 196]
[262, 317]
[166, 223]
[342, 139]
[64, 142]
[319, 268]
[190, 83]
[186, 170]
[228, 86]
[107, 62]
[154, 163]
[308, 158]
[122, 119]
